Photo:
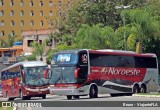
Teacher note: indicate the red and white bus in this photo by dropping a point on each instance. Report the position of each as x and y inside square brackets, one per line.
[25, 80]
[89, 72]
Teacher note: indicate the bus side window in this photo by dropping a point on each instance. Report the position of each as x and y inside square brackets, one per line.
[5, 77]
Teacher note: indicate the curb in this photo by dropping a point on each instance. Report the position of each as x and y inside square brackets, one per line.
[151, 96]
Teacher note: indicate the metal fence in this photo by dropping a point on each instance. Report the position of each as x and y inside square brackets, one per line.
[9, 60]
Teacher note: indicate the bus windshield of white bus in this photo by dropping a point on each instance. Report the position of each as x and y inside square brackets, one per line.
[62, 75]
[64, 72]
[34, 76]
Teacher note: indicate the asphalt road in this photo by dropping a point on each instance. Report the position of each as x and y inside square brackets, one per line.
[101, 97]
[105, 98]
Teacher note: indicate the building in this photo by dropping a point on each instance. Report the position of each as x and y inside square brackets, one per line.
[11, 55]
[29, 36]
[19, 15]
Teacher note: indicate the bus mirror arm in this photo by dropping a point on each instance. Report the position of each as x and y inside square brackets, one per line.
[23, 73]
[47, 73]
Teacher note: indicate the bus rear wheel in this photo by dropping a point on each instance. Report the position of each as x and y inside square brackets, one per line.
[69, 97]
[135, 89]
[93, 92]
[143, 89]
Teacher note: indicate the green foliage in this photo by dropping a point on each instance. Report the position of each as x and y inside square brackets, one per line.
[39, 49]
[28, 58]
[131, 42]
[96, 24]
[145, 25]
[9, 41]
[94, 37]
[138, 48]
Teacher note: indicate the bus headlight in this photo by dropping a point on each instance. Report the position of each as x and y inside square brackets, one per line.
[72, 87]
[51, 87]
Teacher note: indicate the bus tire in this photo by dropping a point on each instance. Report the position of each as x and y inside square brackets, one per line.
[44, 96]
[93, 92]
[11, 98]
[27, 98]
[112, 95]
[69, 97]
[143, 89]
[135, 89]
[7, 97]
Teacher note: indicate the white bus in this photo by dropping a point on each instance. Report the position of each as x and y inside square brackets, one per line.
[86, 72]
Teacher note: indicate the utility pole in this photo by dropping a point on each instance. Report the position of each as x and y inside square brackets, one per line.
[124, 22]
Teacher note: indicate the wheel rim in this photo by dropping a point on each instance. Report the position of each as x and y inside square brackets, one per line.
[135, 89]
[93, 91]
[21, 95]
[143, 90]
[7, 96]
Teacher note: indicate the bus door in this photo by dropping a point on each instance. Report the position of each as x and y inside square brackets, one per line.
[82, 66]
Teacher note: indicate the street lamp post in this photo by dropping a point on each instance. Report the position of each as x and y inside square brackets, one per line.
[124, 21]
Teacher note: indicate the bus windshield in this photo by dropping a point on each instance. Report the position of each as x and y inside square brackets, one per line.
[61, 75]
[64, 58]
[34, 76]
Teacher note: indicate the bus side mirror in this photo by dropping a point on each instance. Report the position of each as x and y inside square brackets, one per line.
[23, 73]
[47, 73]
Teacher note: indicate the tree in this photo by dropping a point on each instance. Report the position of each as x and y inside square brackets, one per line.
[145, 25]
[39, 49]
[8, 42]
[81, 25]
[131, 42]
[94, 37]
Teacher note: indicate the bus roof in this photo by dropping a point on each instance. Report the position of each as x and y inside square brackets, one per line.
[70, 51]
[27, 64]
[122, 52]
[112, 52]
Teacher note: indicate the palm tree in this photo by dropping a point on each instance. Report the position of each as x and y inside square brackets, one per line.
[39, 49]
[9, 41]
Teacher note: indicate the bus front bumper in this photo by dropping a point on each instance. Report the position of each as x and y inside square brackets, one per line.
[67, 91]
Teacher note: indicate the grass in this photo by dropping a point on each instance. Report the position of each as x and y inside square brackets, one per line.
[153, 94]
[8, 108]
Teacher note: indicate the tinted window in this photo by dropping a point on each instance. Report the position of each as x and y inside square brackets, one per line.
[146, 62]
[64, 58]
[122, 61]
[111, 60]
[11, 73]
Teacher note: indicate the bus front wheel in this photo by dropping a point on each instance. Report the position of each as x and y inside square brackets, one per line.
[21, 95]
[93, 92]
[8, 98]
[69, 97]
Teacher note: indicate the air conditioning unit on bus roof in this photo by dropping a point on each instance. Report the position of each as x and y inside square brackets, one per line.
[110, 50]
